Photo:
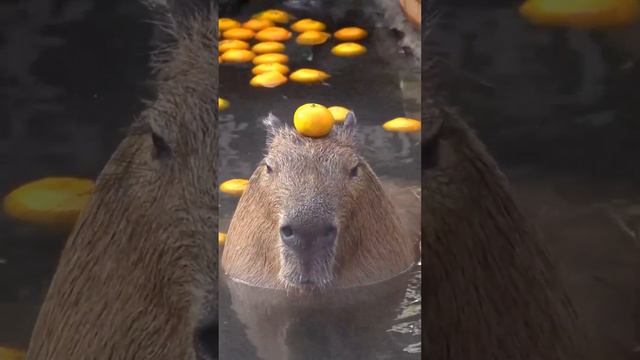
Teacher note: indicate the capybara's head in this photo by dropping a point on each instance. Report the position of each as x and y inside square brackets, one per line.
[314, 215]
[313, 185]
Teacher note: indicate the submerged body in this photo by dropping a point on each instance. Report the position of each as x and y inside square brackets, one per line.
[137, 278]
[492, 289]
[315, 216]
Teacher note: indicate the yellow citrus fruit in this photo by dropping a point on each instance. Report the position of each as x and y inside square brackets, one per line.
[339, 113]
[348, 49]
[273, 33]
[268, 47]
[581, 13]
[307, 25]
[313, 120]
[226, 45]
[271, 58]
[263, 68]
[51, 201]
[234, 186]
[268, 79]
[237, 56]
[277, 16]
[312, 37]
[257, 24]
[351, 33]
[7, 353]
[308, 76]
[223, 104]
[402, 124]
[221, 238]
[225, 24]
[239, 34]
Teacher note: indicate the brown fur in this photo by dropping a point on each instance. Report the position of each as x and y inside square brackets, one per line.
[138, 275]
[372, 243]
[491, 291]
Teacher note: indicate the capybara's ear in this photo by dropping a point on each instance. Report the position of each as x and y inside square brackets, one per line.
[350, 120]
[272, 123]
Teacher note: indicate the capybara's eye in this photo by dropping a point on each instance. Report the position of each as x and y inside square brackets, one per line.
[269, 169]
[354, 171]
[161, 148]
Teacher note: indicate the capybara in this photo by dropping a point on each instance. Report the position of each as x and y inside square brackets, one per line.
[137, 278]
[315, 216]
[490, 289]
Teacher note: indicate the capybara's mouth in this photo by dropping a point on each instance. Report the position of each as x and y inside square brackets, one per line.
[315, 274]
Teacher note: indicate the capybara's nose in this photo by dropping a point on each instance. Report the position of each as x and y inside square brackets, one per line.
[298, 236]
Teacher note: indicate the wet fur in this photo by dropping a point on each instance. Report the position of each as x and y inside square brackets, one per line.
[491, 291]
[372, 243]
[137, 278]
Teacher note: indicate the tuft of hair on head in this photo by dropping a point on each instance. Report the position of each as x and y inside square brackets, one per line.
[273, 125]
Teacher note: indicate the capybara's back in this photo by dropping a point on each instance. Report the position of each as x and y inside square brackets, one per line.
[137, 278]
[314, 216]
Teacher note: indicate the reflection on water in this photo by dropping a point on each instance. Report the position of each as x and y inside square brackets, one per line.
[377, 322]
[560, 110]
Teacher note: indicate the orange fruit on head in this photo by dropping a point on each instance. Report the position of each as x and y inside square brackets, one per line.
[351, 33]
[273, 33]
[313, 120]
[339, 113]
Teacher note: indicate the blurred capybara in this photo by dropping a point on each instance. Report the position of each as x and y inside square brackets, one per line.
[137, 278]
[315, 216]
[491, 291]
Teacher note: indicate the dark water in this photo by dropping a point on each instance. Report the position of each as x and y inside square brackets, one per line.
[70, 80]
[383, 323]
[560, 110]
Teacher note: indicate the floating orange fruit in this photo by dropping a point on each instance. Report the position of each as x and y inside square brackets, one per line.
[225, 45]
[348, 49]
[312, 37]
[584, 14]
[307, 25]
[351, 33]
[402, 124]
[268, 47]
[263, 68]
[277, 16]
[273, 33]
[225, 24]
[269, 79]
[238, 34]
[339, 113]
[237, 56]
[308, 76]
[223, 104]
[51, 201]
[221, 238]
[234, 186]
[313, 120]
[271, 58]
[7, 353]
[257, 24]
